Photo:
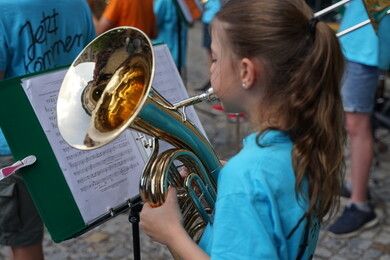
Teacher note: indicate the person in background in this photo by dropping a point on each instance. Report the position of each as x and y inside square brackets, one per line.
[272, 195]
[35, 35]
[97, 8]
[172, 30]
[361, 51]
[135, 13]
[210, 9]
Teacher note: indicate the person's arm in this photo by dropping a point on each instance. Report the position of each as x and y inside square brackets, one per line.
[95, 21]
[184, 248]
[163, 224]
[103, 25]
[107, 20]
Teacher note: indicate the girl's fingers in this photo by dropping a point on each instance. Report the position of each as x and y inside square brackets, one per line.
[183, 171]
[171, 194]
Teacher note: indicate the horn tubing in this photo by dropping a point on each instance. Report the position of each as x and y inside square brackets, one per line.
[154, 116]
[208, 95]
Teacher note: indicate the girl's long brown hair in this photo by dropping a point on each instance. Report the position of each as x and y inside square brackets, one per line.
[304, 67]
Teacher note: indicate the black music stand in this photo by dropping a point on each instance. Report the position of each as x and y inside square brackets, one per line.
[135, 209]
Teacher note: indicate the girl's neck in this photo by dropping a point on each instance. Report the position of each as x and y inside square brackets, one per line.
[262, 119]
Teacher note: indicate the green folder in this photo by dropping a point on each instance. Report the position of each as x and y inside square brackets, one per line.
[44, 179]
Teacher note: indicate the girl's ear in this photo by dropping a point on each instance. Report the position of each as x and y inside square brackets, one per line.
[247, 73]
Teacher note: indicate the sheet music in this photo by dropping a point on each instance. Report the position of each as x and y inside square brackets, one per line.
[109, 176]
[168, 83]
[99, 179]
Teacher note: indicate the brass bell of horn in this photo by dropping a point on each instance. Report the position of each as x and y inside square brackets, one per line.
[108, 89]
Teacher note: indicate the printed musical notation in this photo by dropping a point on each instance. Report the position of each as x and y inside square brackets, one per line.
[168, 83]
[98, 179]
[108, 176]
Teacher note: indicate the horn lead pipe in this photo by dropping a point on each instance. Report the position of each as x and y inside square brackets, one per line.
[208, 95]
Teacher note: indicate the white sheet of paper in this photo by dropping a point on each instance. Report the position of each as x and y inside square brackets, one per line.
[99, 179]
[109, 176]
[168, 83]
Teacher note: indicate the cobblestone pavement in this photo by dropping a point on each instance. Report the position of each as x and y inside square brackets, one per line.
[113, 240]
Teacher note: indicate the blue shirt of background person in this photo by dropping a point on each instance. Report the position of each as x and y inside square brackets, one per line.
[168, 19]
[362, 45]
[211, 7]
[384, 44]
[42, 41]
[4, 148]
[257, 198]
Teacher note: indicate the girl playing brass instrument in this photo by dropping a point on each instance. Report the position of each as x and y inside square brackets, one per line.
[282, 67]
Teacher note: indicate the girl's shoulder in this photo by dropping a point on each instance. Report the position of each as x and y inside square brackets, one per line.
[271, 149]
[265, 163]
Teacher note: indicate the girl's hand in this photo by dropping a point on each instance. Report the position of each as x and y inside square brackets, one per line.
[163, 224]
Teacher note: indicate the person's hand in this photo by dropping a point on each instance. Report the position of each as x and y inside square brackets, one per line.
[163, 224]
[183, 171]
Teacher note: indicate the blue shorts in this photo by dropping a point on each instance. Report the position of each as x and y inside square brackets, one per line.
[359, 87]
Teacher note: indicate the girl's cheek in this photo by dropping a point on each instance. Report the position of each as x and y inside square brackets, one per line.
[212, 75]
[212, 67]
[213, 81]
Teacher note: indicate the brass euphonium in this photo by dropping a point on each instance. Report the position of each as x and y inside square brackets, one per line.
[108, 89]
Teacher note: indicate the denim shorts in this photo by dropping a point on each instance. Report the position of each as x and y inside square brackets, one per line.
[20, 224]
[359, 87]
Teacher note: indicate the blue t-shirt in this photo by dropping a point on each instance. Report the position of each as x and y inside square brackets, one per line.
[362, 45]
[4, 149]
[36, 35]
[211, 8]
[257, 206]
[169, 32]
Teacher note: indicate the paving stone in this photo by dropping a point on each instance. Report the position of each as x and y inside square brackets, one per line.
[333, 244]
[387, 228]
[97, 237]
[360, 243]
[337, 257]
[323, 252]
[59, 255]
[383, 237]
[119, 253]
[351, 252]
[370, 234]
[385, 257]
[382, 247]
[371, 254]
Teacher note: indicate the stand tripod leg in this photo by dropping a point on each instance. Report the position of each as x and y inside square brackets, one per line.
[134, 220]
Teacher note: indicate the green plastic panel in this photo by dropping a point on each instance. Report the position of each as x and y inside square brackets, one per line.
[44, 179]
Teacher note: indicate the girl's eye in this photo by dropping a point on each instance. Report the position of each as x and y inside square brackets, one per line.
[213, 60]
